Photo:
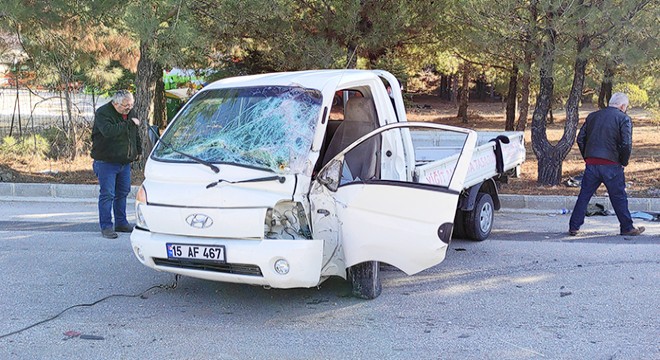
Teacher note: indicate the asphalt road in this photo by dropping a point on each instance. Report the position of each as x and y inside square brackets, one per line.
[529, 292]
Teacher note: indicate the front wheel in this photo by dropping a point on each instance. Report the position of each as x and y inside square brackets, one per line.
[365, 279]
[478, 223]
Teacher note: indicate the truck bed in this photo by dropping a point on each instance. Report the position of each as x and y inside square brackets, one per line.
[437, 152]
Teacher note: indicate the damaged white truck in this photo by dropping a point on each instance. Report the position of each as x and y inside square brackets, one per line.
[284, 180]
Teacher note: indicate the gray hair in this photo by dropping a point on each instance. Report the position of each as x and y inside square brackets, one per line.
[618, 99]
[123, 94]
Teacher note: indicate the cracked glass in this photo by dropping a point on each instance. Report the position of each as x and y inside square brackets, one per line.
[270, 127]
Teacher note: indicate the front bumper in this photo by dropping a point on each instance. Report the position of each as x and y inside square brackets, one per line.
[249, 261]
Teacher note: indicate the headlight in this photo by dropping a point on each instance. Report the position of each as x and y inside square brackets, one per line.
[140, 202]
[287, 220]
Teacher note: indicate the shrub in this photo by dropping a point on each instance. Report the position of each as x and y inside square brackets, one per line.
[25, 145]
[61, 145]
[58, 141]
[638, 97]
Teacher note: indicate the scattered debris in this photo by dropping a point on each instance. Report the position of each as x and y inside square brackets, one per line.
[565, 293]
[423, 106]
[573, 181]
[597, 209]
[459, 249]
[91, 337]
[649, 216]
[71, 334]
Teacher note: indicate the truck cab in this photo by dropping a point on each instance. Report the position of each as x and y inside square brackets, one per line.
[286, 179]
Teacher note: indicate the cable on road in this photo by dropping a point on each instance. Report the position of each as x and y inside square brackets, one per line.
[160, 286]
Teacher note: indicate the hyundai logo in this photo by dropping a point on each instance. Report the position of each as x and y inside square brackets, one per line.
[199, 221]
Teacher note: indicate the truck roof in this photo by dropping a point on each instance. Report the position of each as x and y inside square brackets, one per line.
[313, 79]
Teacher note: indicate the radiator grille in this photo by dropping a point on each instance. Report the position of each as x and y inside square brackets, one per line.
[238, 269]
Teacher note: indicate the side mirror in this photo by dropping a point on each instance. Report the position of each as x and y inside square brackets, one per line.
[330, 174]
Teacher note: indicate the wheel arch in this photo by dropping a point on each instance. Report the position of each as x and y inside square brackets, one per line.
[488, 186]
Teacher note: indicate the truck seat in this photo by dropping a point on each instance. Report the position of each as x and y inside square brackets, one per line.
[360, 118]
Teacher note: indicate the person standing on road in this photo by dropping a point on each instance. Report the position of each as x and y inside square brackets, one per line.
[116, 143]
[605, 142]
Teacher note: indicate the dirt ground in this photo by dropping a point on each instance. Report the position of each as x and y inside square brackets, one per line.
[642, 174]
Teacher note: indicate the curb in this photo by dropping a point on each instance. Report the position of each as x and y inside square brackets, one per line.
[89, 193]
[553, 203]
[53, 192]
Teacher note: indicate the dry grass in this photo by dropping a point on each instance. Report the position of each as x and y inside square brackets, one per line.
[643, 173]
[35, 169]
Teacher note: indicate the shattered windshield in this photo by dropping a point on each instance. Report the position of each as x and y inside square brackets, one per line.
[270, 127]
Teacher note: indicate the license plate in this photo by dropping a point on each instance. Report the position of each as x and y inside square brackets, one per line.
[199, 252]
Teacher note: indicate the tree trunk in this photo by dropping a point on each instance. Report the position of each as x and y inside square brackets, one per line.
[145, 84]
[65, 78]
[605, 92]
[525, 81]
[551, 157]
[523, 109]
[64, 128]
[511, 99]
[549, 165]
[17, 105]
[94, 98]
[573, 103]
[465, 94]
[160, 104]
[351, 57]
[443, 89]
[454, 89]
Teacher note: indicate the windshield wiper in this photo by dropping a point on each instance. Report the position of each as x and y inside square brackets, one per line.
[281, 179]
[195, 159]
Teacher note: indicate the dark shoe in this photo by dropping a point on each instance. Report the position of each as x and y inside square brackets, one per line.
[634, 231]
[124, 228]
[109, 233]
[572, 232]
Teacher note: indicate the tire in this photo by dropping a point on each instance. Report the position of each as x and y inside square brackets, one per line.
[459, 228]
[365, 280]
[478, 223]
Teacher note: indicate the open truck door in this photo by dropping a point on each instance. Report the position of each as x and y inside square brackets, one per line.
[402, 223]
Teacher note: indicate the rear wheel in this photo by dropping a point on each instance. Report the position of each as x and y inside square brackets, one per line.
[478, 223]
[365, 279]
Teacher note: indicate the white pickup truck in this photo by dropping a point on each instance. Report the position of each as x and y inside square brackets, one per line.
[286, 179]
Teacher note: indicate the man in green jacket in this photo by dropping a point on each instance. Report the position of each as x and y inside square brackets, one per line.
[116, 143]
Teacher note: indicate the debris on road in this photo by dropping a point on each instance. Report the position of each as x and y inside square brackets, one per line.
[71, 334]
[91, 337]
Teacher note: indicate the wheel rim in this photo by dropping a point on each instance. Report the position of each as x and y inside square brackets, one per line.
[486, 218]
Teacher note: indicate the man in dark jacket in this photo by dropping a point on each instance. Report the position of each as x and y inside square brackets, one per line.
[605, 142]
[116, 143]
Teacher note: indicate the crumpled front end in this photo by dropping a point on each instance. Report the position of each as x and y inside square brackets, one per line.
[251, 233]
